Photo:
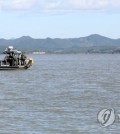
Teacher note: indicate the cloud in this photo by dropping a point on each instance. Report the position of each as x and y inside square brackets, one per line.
[16, 5]
[92, 4]
[58, 5]
[22, 4]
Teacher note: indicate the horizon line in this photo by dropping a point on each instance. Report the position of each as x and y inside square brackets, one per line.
[24, 36]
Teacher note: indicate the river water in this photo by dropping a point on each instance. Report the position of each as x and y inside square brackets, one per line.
[60, 94]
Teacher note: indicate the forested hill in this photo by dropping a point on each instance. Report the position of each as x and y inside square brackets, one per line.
[91, 44]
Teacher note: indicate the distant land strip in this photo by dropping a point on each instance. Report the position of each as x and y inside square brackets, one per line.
[90, 44]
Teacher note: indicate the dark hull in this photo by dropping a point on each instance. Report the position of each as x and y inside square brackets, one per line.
[12, 68]
[21, 67]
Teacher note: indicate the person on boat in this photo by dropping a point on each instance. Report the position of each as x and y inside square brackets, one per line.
[11, 60]
[23, 58]
[15, 59]
[6, 59]
[18, 59]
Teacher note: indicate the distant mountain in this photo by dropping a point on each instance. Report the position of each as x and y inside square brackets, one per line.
[91, 44]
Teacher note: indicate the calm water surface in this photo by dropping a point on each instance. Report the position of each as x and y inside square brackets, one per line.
[60, 94]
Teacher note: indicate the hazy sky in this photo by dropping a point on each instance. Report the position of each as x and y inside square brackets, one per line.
[59, 18]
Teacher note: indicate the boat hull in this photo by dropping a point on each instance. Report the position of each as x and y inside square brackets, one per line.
[20, 67]
[12, 68]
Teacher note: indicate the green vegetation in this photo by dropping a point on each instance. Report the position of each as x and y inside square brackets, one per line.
[90, 44]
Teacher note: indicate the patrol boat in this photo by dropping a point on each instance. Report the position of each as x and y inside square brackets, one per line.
[14, 60]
